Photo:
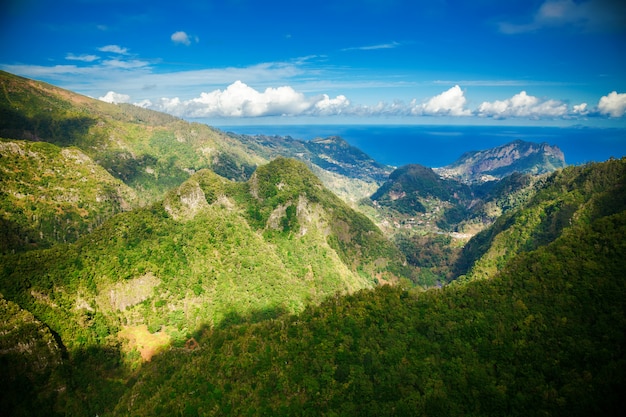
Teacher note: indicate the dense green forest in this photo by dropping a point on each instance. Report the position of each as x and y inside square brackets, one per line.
[543, 337]
[213, 249]
[150, 266]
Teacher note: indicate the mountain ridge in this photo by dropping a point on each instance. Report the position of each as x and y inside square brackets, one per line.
[153, 152]
[221, 276]
[496, 163]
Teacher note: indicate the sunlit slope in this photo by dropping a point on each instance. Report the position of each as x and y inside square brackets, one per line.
[568, 199]
[53, 195]
[214, 251]
[150, 151]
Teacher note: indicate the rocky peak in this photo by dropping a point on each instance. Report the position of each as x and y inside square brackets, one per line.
[499, 162]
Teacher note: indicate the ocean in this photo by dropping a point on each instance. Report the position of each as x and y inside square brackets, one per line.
[436, 146]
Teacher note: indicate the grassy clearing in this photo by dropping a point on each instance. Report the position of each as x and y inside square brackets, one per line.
[146, 343]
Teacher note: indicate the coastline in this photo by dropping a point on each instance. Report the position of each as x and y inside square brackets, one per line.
[439, 145]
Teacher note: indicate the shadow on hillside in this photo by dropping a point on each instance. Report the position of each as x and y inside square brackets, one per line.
[15, 238]
[61, 131]
[91, 380]
[234, 318]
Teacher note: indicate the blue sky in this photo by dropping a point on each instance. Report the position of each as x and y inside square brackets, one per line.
[405, 61]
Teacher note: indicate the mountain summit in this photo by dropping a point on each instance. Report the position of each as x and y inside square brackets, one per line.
[499, 162]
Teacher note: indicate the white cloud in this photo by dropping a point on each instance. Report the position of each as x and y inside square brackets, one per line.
[83, 58]
[522, 105]
[306, 91]
[581, 109]
[182, 37]
[561, 11]
[121, 64]
[113, 97]
[449, 103]
[331, 106]
[241, 100]
[613, 104]
[145, 103]
[116, 49]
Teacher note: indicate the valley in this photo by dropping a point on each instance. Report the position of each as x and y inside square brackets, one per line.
[153, 266]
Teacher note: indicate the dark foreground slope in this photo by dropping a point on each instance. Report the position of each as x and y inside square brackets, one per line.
[545, 336]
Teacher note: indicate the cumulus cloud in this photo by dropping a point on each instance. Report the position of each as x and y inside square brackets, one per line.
[522, 105]
[113, 97]
[581, 109]
[613, 104]
[182, 37]
[449, 103]
[116, 49]
[326, 106]
[241, 100]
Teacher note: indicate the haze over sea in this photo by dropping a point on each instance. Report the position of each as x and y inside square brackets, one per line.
[439, 145]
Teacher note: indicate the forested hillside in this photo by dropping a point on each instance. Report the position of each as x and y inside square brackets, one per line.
[212, 250]
[151, 266]
[567, 198]
[53, 195]
[213, 253]
[545, 336]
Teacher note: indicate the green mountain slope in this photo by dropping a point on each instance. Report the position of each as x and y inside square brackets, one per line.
[212, 254]
[409, 187]
[543, 337]
[570, 197]
[51, 195]
[150, 151]
[31, 361]
[214, 251]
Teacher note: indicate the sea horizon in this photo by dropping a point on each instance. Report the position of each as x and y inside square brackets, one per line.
[440, 145]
